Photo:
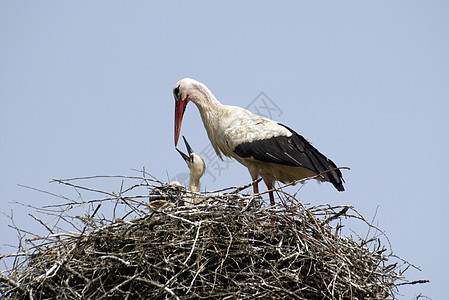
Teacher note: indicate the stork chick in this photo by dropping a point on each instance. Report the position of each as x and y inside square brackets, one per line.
[196, 165]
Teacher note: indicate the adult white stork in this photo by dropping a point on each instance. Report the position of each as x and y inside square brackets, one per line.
[196, 166]
[268, 149]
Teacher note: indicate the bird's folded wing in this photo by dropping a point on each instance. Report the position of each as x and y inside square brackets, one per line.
[293, 150]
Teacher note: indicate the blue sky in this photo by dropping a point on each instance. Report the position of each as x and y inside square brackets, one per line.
[86, 89]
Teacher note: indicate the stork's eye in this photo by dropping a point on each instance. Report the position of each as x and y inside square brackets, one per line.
[176, 92]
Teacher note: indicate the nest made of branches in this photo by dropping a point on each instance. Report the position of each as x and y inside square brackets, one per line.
[229, 246]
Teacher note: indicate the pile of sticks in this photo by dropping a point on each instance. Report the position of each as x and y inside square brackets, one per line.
[226, 247]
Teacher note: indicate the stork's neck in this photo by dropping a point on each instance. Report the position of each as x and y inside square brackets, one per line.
[207, 104]
[194, 185]
[210, 110]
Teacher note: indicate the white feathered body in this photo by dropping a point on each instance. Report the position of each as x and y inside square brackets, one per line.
[229, 126]
[267, 148]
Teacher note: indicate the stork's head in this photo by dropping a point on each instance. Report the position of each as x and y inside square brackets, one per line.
[194, 162]
[184, 91]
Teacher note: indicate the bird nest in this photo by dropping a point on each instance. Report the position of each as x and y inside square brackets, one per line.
[230, 246]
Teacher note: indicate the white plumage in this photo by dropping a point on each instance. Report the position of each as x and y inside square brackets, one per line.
[267, 148]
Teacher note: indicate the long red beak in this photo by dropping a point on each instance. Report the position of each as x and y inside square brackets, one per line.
[179, 113]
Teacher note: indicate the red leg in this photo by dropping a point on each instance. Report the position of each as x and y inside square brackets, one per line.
[272, 202]
[271, 193]
[256, 188]
[256, 191]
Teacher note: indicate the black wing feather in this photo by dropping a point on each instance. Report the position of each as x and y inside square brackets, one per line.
[294, 151]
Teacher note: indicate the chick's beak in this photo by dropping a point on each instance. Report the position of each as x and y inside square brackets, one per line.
[189, 149]
[184, 156]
